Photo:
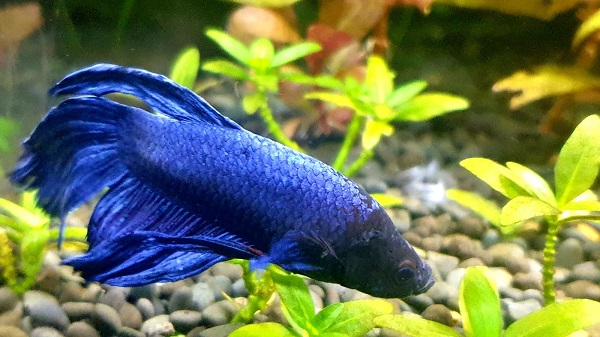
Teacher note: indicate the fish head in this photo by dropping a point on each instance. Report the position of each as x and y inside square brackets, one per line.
[383, 264]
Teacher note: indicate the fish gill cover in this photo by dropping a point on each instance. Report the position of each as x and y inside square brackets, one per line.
[188, 187]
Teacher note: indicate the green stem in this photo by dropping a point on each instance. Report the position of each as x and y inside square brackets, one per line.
[362, 159]
[273, 127]
[548, 263]
[351, 135]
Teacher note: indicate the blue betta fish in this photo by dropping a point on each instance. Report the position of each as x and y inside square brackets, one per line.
[185, 187]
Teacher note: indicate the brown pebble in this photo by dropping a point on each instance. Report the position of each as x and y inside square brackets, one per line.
[471, 262]
[526, 281]
[130, 316]
[11, 331]
[81, 328]
[440, 314]
[583, 289]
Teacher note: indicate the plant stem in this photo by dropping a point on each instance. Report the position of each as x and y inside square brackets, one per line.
[351, 135]
[362, 159]
[548, 264]
[273, 127]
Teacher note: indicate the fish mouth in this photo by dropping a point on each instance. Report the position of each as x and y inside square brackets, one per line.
[426, 287]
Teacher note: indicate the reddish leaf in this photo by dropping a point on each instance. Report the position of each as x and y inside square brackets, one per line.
[18, 22]
[248, 23]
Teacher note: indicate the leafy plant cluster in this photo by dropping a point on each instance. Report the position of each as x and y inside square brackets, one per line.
[530, 195]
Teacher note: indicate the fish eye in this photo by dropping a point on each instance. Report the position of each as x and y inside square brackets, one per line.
[405, 274]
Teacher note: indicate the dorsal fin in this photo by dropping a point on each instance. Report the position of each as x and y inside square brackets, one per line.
[159, 92]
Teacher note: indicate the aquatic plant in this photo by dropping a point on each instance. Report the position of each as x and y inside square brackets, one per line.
[530, 195]
[26, 229]
[352, 319]
[481, 315]
[259, 65]
[377, 104]
[185, 68]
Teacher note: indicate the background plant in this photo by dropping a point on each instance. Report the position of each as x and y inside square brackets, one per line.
[24, 235]
[482, 317]
[530, 195]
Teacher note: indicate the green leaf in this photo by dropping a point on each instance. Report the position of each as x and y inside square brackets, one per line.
[522, 208]
[591, 206]
[557, 319]
[535, 184]
[415, 326]
[486, 208]
[261, 54]
[578, 161]
[357, 317]
[327, 316]
[426, 106]
[379, 81]
[21, 214]
[230, 45]
[252, 102]
[8, 129]
[294, 52]
[325, 81]
[268, 329]
[185, 68]
[373, 132]
[387, 200]
[589, 26]
[226, 68]
[405, 92]
[296, 298]
[337, 99]
[479, 304]
[497, 176]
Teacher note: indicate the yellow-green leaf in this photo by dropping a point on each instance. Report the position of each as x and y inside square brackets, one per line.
[226, 68]
[387, 200]
[497, 176]
[330, 97]
[261, 54]
[591, 206]
[557, 319]
[535, 184]
[357, 317]
[523, 208]
[294, 52]
[185, 68]
[21, 214]
[268, 329]
[426, 106]
[327, 316]
[229, 44]
[479, 304]
[405, 92]
[415, 326]
[578, 161]
[486, 208]
[252, 102]
[296, 298]
[545, 81]
[374, 130]
[379, 80]
[587, 28]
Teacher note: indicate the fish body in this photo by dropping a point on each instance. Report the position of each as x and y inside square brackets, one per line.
[186, 188]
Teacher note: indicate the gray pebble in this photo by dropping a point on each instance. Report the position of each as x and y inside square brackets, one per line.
[419, 302]
[44, 310]
[238, 288]
[48, 280]
[219, 331]
[126, 331]
[113, 297]
[471, 262]
[332, 294]
[432, 243]
[181, 300]
[106, 319]
[12, 317]
[71, 292]
[533, 294]
[562, 275]
[80, 329]
[509, 255]
[441, 292]
[159, 306]
[440, 314]
[374, 185]
[230, 270]
[413, 238]
[455, 277]
[518, 310]
[195, 332]
[167, 290]
[512, 293]
[145, 307]
[8, 299]
[443, 263]
[219, 284]
[45, 331]
[77, 311]
[158, 326]
[202, 295]
[92, 292]
[461, 246]
[130, 316]
[316, 296]
[583, 289]
[401, 219]
[587, 271]
[219, 313]
[569, 253]
[527, 281]
[471, 226]
[490, 237]
[147, 291]
[501, 276]
[592, 250]
[11, 331]
[185, 320]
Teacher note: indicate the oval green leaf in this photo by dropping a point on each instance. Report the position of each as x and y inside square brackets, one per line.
[415, 326]
[226, 68]
[268, 329]
[536, 185]
[587, 27]
[557, 319]
[387, 200]
[357, 317]
[337, 99]
[261, 54]
[426, 106]
[230, 45]
[523, 208]
[379, 80]
[497, 176]
[327, 316]
[405, 92]
[486, 208]
[296, 298]
[185, 68]
[294, 52]
[479, 305]
[373, 132]
[579, 161]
